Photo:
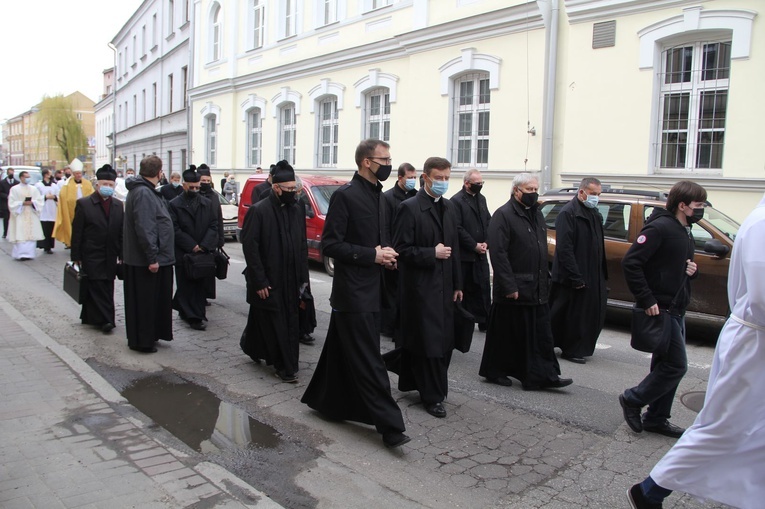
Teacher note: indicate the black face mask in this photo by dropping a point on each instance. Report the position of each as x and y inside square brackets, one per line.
[698, 215]
[287, 197]
[529, 199]
[383, 172]
[191, 194]
[205, 188]
[476, 188]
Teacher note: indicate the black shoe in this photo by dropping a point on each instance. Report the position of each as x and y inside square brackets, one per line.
[107, 327]
[48, 251]
[575, 360]
[638, 501]
[552, 384]
[631, 415]
[144, 349]
[198, 325]
[666, 428]
[208, 303]
[307, 339]
[436, 410]
[284, 377]
[395, 439]
[500, 380]
[482, 327]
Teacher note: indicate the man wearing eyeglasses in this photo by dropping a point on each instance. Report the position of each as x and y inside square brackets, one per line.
[275, 249]
[350, 381]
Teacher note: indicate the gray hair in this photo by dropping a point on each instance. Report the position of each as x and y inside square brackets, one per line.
[175, 174]
[587, 181]
[524, 178]
[468, 174]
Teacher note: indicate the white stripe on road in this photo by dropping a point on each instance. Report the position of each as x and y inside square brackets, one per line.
[314, 280]
[234, 260]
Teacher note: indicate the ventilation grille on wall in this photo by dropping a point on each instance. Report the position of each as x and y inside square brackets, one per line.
[604, 34]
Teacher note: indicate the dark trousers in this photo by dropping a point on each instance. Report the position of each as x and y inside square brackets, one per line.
[657, 390]
[5, 225]
[48, 242]
[148, 305]
[98, 308]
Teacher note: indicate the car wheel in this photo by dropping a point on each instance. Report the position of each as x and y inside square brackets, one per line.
[329, 266]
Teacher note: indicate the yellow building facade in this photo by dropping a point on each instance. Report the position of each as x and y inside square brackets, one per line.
[565, 88]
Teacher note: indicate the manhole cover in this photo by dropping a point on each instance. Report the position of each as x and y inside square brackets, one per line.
[693, 400]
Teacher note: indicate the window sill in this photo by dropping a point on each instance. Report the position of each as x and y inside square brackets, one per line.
[377, 9]
[154, 48]
[134, 65]
[185, 24]
[284, 38]
[143, 57]
[215, 63]
[170, 36]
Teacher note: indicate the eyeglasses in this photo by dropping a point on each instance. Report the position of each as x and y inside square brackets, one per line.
[387, 160]
[288, 189]
[477, 183]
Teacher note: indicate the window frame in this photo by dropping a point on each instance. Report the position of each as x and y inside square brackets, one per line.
[472, 105]
[283, 128]
[211, 139]
[254, 154]
[380, 119]
[215, 33]
[327, 125]
[258, 24]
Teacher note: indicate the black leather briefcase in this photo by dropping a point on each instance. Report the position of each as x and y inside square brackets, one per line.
[75, 282]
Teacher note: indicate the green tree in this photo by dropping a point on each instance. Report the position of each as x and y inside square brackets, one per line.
[59, 122]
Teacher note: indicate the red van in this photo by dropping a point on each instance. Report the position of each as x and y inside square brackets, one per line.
[317, 191]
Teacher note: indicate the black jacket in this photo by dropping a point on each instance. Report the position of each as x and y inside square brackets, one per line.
[654, 266]
[97, 239]
[518, 240]
[5, 190]
[272, 236]
[473, 218]
[170, 192]
[193, 227]
[356, 223]
[580, 256]
[148, 229]
[212, 196]
[259, 191]
[392, 199]
[426, 283]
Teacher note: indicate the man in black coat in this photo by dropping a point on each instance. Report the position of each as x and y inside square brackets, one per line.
[402, 190]
[425, 236]
[350, 381]
[275, 249]
[195, 226]
[97, 248]
[579, 273]
[658, 268]
[5, 189]
[519, 341]
[263, 189]
[206, 190]
[473, 226]
[173, 188]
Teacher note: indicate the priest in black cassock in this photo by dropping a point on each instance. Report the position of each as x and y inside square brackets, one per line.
[195, 225]
[97, 248]
[262, 189]
[274, 246]
[426, 239]
[174, 187]
[206, 190]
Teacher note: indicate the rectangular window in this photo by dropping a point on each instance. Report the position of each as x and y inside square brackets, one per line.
[143, 40]
[693, 105]
[183, 160]
[258, 21]
[255, 138]
[169, 170]
[329, 14]
[290, 18]
[143, 105]
[378, 114]
[185, 85]
[154, 100]
[212, 141]
[328, 131]
[170, 15]
[135, 109]
[471, 102]
[287, 130]
[376, 4]
[135, 48]
[186, 18]
[170, 93]
[154, 30]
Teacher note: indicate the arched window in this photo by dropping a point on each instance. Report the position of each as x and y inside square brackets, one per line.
[254, 137]
[287, 131]
[216, 32]
[211, 139]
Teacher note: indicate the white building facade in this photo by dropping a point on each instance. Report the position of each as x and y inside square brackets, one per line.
[630, 91]
[151, 79]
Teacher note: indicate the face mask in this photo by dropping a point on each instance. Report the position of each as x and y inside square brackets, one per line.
[410, 183]
[476, 188]
[439, 187]
[175, 184]
[205, 188]
[592, 201]
[287, 197]
[529, 199]
[105, 191]
[129, 176]
[191, 193]
[698, 215]
[383, 172]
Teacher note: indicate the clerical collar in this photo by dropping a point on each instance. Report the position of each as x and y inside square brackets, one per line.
[434, 198]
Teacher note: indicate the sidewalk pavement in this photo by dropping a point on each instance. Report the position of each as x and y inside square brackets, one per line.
[67, 438]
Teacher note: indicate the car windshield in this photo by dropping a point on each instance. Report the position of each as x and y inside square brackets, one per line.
[221, 198]
[722, 222]
[322, 194]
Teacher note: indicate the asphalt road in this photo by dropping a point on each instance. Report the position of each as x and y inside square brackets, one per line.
[499, 447]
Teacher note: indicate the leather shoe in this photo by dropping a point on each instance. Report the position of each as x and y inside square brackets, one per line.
[144, 349]
[284, 377]
[500, 380]
[552, 384]
[575, 360]
[436, 410]
[666, 428]
[395, 439]
[107, 327]
[638, 501]
[631, 415]
[307, 339]
[198, 325]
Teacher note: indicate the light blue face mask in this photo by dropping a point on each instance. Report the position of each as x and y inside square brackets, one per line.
[592, 201]
[105, 191]
[439, 187]
[175, 184]
[410, 183]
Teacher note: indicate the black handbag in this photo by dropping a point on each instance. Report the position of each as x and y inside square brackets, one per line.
[651, 334]
[75, 282]
[199, 265]
[221, 264]
[464, 323]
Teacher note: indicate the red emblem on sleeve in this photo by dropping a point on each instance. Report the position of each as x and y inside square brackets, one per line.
[641, 239]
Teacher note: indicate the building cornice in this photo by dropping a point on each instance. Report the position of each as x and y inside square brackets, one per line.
[582, 11]
[666, 181]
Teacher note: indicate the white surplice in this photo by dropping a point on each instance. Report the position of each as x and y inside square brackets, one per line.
[24, 227]
[721, 456]
[48, 212]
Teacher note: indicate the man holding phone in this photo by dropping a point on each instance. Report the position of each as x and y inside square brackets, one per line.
[24, 229]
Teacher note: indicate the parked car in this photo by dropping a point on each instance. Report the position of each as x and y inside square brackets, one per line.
[317, 190]
[624, 212]
[230, 216]
[35, 175]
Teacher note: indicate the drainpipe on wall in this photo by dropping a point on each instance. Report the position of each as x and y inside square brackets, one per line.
[190, 84]
[550, 14]
[114, 106]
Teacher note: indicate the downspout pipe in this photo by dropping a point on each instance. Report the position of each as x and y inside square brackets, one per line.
[551, 58]
[114, 105]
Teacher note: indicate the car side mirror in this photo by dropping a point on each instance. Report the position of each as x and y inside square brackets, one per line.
[716, 248]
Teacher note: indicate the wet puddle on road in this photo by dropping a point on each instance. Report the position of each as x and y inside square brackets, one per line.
[197, 416]
[693, 400]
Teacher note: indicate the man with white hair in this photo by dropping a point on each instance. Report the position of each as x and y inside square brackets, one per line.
[519, 340]
[74, 189]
